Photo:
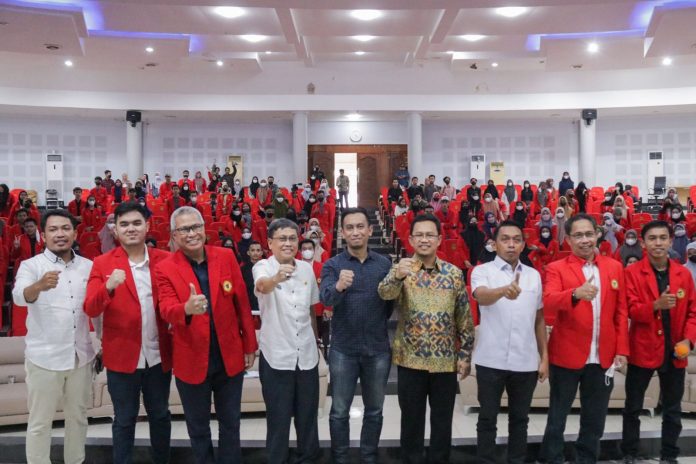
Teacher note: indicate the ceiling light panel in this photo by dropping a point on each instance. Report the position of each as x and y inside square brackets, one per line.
[253, 38]
[229, 12]
[366, 15]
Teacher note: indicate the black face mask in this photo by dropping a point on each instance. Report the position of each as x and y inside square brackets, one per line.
[692, 258]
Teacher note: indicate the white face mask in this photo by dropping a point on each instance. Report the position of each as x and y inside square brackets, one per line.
[631, 241]
[110, 225]
[280, 199]
[489, 199]
[676, 215]
[566, 177]
[263, 184]
[489, 248]
[313, 227]
[237, 213]
[545, 234]
[560, 214]
[679, 233]
[142, 204]
[545, 217]
[308, 189]
[193, 199]
[91, 202]
[607, 222]
[519, 208]
[307, 254]
[475, 197]
[246, 235]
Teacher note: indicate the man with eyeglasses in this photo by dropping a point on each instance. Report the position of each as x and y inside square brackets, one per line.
[202, 296]
[360, 342]
[433, 341]
[585, 302]
[510, 353]
[288, 367]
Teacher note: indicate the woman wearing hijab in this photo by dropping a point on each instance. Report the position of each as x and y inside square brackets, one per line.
[254, 186]
[491, 188]
[311, 201]
[244, 243]
[106, 235]
[581, 195]
[490, 224]
[680, 242]
[155, 185]
[401, 207]
[542, 195]
[490, 205]
[625, 218]
[509, 193]
[6, 201]
[264, 193]
[520, 214]
[199, 183]
[527, 194]
[613, 232]
[488, 253]
[561, 219]
[630, 247]
[320, 254]
[677, 215]
[117, 191]
[545, 249]
[568, 210]
[474, 240]
[280, 206]
[234, 223]
[545, 219]
[473, 196]
[691, 259]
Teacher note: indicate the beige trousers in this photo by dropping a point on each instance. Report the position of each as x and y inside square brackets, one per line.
[46, 389]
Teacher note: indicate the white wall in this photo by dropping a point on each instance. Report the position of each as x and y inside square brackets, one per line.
[532, 150]
[380, 133]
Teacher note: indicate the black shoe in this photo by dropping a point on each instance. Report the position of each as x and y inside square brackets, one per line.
[629, 460]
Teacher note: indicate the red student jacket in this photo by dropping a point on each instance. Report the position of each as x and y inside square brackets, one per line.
[230, 307]
[645, 335]
[122, 334]
[571, 337]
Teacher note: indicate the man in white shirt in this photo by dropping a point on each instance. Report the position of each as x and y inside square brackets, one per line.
[510, 352]
[287, 289]
[137, 346]
[59, 350]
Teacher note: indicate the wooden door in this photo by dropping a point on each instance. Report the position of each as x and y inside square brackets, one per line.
[325, 160]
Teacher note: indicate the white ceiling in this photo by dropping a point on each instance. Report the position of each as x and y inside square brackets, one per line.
[417, 48]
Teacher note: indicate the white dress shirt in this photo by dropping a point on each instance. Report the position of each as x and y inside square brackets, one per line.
[57, 327]
[506, 337]
[286, 338]
[589, 270]
[149, 335]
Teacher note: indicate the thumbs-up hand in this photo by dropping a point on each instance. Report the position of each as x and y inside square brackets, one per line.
[667, 300]
[196, 304]
[117, 277]
[512, 291]
[404, 268]
[587, 291]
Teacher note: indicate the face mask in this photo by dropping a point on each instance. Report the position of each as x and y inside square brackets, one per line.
[193, 199]
[110, 226]
[566, 177]
[254, 181]
[519, 208]
[312, 200]
[475, 197]
[631, 241]
[692, 258]
[676, 215]
[491, 220]
[509, 184]
[270, 182]
[308, 189]
[447, 181]
[237, 213]
[545, 217]
[91, 202]
[246, 235]
[679, 233]
[560, 214]
[526, 186]
[186, 187]
[313, 177]
[489, 248]
[608, 222]
[237, 183]
[473, 182]
[472, 225]
[263, 184]
[320, 199]
[489, 199]
[280, 199]
[545, 234]
[98, 184]
[313, 227]
[607, 198]
[142, 204]
[307, 254]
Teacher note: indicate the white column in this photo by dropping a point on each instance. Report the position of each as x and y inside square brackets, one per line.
[299, 147]
[588, 153]
[134, 150]
[415, 145]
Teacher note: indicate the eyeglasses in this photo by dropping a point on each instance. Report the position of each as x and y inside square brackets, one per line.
[429, 237]
[580, 236]
[188, 229]
[284, 239]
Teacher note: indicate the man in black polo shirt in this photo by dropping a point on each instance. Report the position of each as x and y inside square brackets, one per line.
[359, 344]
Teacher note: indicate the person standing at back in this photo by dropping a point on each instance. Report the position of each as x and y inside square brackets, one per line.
[343, 186]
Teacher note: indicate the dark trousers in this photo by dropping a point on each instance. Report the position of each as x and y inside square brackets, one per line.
[373, 372]
[196, 398]
[125, 390]
[594, 401]
[343, 199]
[672, 390]
[415, 388]
[289, 394]
[520, 388]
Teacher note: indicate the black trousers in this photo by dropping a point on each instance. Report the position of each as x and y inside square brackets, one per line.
[672, 390]
[594, 401]
[520, 389]
[289, 394]
[415, 388]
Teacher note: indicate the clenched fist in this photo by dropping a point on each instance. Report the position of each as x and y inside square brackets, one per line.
[404, 268]
[196, 304]
[284, 272]
[48, 281]
[117, 277]
[345, 280]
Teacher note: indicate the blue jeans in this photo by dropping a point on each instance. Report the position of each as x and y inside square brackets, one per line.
[373, 372]
[125, 390]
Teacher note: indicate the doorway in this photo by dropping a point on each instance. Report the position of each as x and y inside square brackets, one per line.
[231, 160]
[349, 163]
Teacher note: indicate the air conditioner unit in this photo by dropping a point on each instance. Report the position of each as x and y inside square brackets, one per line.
[478, 168]
[54, 177]
[656, 167]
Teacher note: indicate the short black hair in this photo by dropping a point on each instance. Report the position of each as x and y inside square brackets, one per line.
[129, 207]
[426, 218]
[98, 178]
[281, 223]
[507, 223]
[579, 217]
[356, 210]
[30, 219]
[76, 189]
[311, 242]
[57, 212]
[22, 210]
[656, 225]
[132, 190]
[252, 243]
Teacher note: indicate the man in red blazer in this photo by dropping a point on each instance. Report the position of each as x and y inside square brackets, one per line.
[175, 200]
[662, 309]
[202, 295]
[585, 301]
[28, 244]
[136, 344]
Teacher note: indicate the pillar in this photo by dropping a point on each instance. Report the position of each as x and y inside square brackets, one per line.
[588, 152]
[415, 145]
[134, 150]
[299, 146]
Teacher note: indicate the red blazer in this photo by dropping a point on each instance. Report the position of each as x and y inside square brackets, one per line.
[101, 196]
[571, 337]
[24, 251]
[72, 208]
[170, 204]
[92, 217]
[259, 232]
[231, 311]
[122, 335]
[645, 335]
[165, 190]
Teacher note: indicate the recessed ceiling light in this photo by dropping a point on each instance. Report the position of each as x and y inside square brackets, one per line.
[220, 63]
[363, 38]
[592, 47]
[229, 12]
[360, 53]
[511, 11]
[494, 64]
[666, 61]
[472, 37]
[149, 49]
[353, 116]
[253, 38]
[68, 63]
[366, 15]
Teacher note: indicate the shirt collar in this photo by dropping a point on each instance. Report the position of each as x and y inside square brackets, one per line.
[421, 265]
[501, 264]
[55, 259]
[143, 263]
[349, 256]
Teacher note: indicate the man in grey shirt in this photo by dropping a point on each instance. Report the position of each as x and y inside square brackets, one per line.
[343, 186]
